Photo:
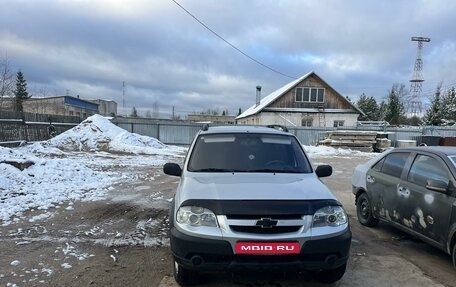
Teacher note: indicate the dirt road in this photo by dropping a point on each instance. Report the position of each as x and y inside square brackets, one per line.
[122, 241]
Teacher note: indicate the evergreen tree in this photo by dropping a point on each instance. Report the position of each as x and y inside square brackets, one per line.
[395, 112]
[20, 93]
[449, 107]
[382, 108]
[370, 108]
[134, 113]
[435, 115]
[239, 112]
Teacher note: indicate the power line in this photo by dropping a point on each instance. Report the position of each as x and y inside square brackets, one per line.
[442, 87]
[233, 46]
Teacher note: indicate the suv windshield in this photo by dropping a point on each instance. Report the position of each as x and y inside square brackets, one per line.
[248, 153]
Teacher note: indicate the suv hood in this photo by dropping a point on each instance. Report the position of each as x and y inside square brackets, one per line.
[252, 186]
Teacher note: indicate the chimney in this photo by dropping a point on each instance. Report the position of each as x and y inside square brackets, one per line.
[258, 95]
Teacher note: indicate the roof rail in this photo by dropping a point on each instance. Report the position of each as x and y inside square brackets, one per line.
[205, 127]
[278, 127]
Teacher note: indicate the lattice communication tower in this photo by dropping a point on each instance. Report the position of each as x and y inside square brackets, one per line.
[416, 83]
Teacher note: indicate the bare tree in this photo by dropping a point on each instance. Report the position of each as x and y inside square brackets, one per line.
[6, 80]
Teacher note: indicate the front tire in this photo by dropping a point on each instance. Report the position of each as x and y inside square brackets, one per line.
[332, 275]
[364, 211]
[184, 276]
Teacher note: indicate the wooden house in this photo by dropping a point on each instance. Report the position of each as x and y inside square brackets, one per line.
[307, 101]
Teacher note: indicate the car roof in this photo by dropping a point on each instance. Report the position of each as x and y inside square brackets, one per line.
[243, 129]
[442, 150]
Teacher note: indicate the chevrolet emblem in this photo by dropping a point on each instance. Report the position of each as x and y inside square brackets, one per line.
[266, 222]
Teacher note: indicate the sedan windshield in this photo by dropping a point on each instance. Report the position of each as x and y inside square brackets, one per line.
[248, 153]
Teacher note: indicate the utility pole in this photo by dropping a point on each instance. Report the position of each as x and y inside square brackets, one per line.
[416, 83]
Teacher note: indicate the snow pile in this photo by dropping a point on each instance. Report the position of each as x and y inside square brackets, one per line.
[97, 133]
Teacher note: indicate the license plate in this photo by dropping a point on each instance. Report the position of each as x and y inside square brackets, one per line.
[267, 248]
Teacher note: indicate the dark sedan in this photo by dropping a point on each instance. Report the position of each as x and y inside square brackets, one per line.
[413, 189]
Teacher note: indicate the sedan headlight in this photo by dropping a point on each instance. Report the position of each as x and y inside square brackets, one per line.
[196, 216]
[329, 216]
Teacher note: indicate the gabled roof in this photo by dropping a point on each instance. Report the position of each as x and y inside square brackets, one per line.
[266, 101]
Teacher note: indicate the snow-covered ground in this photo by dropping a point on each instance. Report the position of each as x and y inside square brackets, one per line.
[79, 164]
[327, 151]
[83, 164]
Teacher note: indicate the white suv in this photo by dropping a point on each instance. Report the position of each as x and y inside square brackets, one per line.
[248, 197]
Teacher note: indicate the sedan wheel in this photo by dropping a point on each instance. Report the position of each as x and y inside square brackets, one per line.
[364, 211]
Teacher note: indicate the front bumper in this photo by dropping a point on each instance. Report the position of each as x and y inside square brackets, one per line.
[217, 255]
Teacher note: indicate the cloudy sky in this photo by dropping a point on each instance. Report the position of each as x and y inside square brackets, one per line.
[164, 56]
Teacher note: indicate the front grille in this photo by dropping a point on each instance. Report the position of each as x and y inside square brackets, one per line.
[260, 230]
[258, 216]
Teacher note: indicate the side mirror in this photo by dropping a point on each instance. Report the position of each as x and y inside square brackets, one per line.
[172, 169]
[324, 170]
[437, 185]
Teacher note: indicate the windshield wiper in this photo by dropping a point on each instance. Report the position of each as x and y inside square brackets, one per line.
[264, 170]
[213, 169]
[274, 170]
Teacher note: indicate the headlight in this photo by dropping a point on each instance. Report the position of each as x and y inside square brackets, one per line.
[196, 216]
[329, 216]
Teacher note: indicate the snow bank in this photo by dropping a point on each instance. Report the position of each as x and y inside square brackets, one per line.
[97, 133]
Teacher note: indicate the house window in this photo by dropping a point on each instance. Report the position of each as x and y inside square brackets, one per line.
[338, 124]
[310, 95]
[299, 94]
[306, 122]
[71, 113]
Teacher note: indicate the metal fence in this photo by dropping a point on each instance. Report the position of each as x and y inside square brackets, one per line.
[181, 133]
[168, 132]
